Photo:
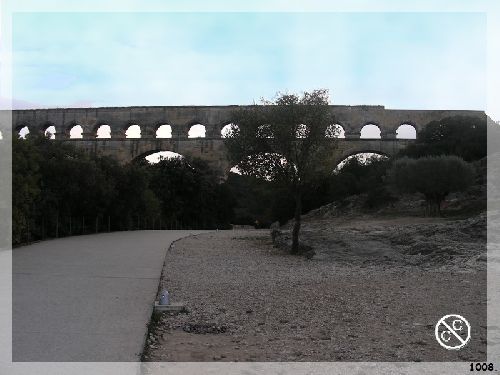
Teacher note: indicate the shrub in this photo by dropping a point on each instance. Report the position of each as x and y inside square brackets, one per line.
[433, 176]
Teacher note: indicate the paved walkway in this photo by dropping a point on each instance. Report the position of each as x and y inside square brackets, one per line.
[86, 298]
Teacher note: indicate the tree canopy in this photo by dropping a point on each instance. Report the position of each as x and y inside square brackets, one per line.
[433, 176]
[58, 190]
[463, 136]
[284, 140]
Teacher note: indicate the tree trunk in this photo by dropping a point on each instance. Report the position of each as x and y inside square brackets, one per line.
[439, 201]
[434, 207]
[296, 224]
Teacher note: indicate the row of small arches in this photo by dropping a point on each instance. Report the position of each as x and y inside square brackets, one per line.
[369, 131]
[133, 131]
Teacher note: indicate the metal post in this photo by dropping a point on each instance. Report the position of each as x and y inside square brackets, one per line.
[28, 229]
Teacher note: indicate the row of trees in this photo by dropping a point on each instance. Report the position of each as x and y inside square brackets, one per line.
[58, 191]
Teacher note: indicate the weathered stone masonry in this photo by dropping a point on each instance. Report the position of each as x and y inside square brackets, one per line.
[214, 118]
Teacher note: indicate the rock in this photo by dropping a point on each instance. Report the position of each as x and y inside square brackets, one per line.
[203, 328]
[275, 230]
[279, 240]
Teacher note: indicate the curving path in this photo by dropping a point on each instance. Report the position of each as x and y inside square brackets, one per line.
[86, 298]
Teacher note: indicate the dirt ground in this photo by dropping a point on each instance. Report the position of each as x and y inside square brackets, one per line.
[374, 291]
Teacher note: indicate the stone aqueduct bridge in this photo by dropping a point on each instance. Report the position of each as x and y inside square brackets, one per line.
[214, 118]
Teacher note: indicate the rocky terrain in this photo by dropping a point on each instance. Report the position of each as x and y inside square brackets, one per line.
[426, 242]
[373, 291]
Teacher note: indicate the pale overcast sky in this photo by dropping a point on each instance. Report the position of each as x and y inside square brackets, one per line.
[400, 60]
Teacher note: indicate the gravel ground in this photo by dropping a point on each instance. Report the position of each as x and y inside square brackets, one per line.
[369, 294]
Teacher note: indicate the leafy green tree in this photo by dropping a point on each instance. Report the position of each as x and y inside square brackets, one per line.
[25, 186]
[190, 193]
[284, 141]
[433, 176]
[54, 182]
[133, 200]
[253, 199]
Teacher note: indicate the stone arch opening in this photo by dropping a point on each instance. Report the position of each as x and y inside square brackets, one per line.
[335, 131]
[197, 131]
[104, 131]
[370, 131]
[133, 131]
[76, 132]
[228, 129]
[23, 131]
[50, 132]
[301, 131]
[158, 156]
[265, 131]
[363, 157]
[406, 131]
[164, 131]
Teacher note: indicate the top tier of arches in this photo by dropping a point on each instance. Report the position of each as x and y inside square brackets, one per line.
[177, 122]
[195, 130]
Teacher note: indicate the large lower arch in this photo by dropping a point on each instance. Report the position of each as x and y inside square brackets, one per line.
[143, 155]
[156, 157]
[363, 156]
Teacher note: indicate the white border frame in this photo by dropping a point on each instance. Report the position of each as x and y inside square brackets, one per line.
[8, 7]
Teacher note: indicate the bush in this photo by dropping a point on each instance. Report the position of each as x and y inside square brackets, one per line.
[433, 176]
